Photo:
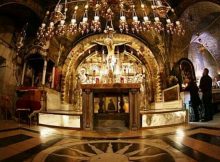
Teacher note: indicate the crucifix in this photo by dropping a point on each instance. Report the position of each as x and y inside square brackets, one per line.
[110, 44]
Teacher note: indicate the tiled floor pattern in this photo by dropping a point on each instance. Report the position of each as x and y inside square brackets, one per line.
[185, 143]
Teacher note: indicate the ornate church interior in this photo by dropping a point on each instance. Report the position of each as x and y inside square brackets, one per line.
[108, 80]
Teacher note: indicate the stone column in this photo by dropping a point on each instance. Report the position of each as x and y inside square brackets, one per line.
[87, 106]
[44, 71]
[23, 72]
[134, 109]
[53, 75]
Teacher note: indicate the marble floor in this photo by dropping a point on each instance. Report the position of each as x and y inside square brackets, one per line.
[198, 141]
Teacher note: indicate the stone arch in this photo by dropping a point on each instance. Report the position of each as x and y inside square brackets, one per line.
[182, 69]
[205, 42]
[181, 7]
[191, 16]
[79, 49]
[203, 58]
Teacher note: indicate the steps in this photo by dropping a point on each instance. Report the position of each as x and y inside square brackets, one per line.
[66, 119]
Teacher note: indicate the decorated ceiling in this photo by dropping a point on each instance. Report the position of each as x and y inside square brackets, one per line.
[21, 12]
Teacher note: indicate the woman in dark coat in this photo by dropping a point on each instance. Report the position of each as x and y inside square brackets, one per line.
[194, 97]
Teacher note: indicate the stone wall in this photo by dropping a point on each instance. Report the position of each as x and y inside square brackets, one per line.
[201, 41]
[8, 79]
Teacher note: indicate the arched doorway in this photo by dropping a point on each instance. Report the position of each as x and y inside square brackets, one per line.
[183, 69]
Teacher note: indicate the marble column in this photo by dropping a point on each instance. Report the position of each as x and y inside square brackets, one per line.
[87, 106]
[23, 73]
[44, 71]
[134, 109]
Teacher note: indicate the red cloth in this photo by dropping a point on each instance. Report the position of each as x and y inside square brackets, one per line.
[25, 88]
[28, 104]
[23, 104]
[56, 78]
[30, 99]
[35, 105]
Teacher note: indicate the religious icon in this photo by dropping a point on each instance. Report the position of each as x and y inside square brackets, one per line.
[82, 75]
[111, 104]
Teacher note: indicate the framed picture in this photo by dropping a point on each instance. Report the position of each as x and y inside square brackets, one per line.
[111, 104]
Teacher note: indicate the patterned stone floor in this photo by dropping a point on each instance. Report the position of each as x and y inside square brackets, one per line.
[183, 143]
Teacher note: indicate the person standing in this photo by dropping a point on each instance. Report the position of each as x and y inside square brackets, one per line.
[194, 97]
[206, 88]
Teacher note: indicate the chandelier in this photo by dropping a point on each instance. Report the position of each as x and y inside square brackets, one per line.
[153, 17]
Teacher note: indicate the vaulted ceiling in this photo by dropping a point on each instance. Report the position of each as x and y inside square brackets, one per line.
[22, 11]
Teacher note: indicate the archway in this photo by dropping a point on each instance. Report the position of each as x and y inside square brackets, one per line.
[183, 69]
[204, 46]
[205, 23]
[87, 46]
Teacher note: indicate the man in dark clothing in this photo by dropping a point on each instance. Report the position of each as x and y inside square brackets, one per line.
[206, 88]
[194, 97]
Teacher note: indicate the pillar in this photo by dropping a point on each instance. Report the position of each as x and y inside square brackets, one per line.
[44, 71]
[32, 84]
[71, 89]
[134, 109]
[23, 73]
[87, 105]
[53, 75]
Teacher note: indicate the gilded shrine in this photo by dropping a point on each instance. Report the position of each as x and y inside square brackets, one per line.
[109, 80]
[114, 69]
